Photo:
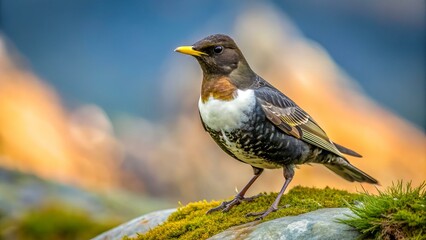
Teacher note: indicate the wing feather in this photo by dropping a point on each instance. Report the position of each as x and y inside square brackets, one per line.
[292, 119]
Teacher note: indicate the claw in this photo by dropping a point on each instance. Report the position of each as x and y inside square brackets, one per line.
[222, 206]
[263, 214]
[228, 205]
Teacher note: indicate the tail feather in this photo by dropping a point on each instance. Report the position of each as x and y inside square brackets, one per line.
[346, 150]
[349, 172]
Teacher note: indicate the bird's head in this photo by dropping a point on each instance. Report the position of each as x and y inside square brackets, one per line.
[218, 55]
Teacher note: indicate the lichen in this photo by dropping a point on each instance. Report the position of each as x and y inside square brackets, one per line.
[191, 221]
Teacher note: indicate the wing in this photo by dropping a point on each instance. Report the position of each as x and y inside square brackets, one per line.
[291, 119]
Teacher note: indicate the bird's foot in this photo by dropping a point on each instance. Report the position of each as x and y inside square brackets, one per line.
[227, 205]
[262, 215]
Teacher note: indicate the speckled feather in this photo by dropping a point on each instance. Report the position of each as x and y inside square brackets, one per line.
[240, 127]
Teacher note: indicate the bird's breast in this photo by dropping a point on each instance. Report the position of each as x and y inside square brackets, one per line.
[223, 115]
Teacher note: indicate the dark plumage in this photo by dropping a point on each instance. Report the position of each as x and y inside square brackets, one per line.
[257, 124]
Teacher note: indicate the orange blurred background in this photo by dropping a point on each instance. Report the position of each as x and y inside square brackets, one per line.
[175, 159]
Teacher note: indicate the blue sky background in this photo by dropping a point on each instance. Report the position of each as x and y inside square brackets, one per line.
[113, 53]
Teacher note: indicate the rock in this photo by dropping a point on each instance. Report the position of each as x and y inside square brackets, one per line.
[320, 224]
[138, 225]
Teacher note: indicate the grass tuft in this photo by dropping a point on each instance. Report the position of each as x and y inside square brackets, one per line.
[399, 212]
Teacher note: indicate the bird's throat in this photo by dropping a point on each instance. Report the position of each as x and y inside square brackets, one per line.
[220, 88]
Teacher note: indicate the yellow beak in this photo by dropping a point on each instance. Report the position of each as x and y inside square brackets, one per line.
[190, 51]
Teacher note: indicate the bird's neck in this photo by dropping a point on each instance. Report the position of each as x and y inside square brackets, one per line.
[218, 87]
[243, 77]
[224, 86]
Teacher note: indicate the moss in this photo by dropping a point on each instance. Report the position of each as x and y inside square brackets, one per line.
[191, 221]
[399, 212]
[55, 221]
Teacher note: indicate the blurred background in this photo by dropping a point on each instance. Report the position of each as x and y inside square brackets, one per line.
[98, 115]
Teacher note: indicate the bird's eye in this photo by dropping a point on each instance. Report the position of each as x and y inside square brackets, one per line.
[218, 49]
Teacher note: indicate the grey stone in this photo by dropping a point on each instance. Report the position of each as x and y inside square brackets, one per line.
[141, 224]
[320, 224]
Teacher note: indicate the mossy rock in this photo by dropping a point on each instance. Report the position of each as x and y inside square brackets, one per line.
[399, 212]
[191, 221]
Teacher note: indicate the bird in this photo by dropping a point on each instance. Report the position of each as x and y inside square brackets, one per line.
[257, 124]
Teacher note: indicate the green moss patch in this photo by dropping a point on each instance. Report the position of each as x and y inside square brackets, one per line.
[55, 221]
[399, 212]
[191, 221]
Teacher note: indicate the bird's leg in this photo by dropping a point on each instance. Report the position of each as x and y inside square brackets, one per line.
[227, 205]
[288, 175]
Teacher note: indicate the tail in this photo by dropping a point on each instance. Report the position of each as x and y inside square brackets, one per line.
[349, 172]
[346, 150]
